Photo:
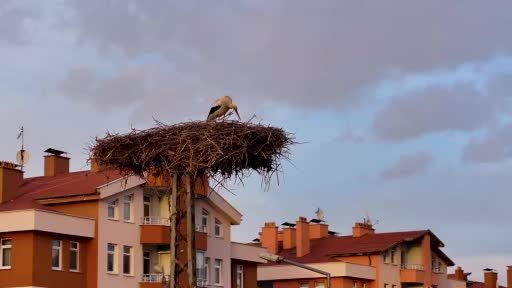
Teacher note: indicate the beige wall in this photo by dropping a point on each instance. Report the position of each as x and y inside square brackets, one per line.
[337, 269]
[121, 233]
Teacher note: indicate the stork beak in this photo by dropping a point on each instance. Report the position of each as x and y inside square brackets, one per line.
[236, 111]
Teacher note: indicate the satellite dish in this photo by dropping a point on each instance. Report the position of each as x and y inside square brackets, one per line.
[22, 157]
[319, 214]
[158, 268]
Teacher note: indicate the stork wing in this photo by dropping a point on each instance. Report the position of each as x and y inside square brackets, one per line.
[213, 109]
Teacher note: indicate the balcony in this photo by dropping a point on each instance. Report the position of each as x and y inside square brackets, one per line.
[153, 280]
[155, 230]
[201, 238]
[412, 273]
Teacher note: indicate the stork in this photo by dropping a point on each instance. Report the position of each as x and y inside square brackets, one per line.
[220, 107]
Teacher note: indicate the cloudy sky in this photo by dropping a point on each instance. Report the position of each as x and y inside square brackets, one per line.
[404, 110]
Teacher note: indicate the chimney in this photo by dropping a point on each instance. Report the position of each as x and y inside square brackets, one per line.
[268, 237]
[490, 279]
[289, 240]
[318, 230]
[302, 228]
[11, 179]
[509, 276]
[459, 274]
[361, 229]
[55, 163]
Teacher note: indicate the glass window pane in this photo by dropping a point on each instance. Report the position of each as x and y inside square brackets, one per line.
[127, 211]
[110, 263]
[126, 264]
[6, 242]
[73, 260]
[55, 258]
[56, 243]
[6, 257]
[111, 247]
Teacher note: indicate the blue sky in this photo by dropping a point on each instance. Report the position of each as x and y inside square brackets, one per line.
[403, 110]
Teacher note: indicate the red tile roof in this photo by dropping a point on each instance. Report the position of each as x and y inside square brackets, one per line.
[72, 184]
[325, 249]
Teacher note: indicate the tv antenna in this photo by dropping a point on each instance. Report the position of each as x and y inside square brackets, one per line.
[370, 221]
[22, 156]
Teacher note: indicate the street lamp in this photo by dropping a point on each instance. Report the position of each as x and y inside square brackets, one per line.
[280, 259]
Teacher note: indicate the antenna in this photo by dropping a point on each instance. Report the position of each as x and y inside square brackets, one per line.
[22, 156]
[369, 221]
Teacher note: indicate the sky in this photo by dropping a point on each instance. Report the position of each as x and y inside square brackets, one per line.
[403, 109]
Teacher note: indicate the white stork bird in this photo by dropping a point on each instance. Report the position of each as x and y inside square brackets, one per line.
[220, 107]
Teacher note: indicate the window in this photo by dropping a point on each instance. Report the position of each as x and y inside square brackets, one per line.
[319, 284]
[147, 206]
[146, 263]
[218, 228]
[5, 253]
[127, 210]
[56, 254]
[127, 260]
[354, 284]
[393, 252]
[204, 221]
[73, 256]
[386, 285]
[303, 285]
[239, 276]
[365, 285]
[111, 258]
[200, 263]
[393, 286]
[207, 269]
[112, 210]
[217, 274]
[385, 256]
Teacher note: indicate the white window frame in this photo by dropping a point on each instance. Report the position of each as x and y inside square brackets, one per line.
[239, 273]
[304, 284]
[4, 247]
[114, 258]
[217, 265]
[218, 224]
[115, 205]
[204, 220]
[128, 200]
[130, 255]
[144, 258]
[146, 203]
[59, 249]
[320, 284]
[77, 250]
[207, 269]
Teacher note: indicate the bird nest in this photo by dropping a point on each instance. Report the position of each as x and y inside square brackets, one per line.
[221, 150]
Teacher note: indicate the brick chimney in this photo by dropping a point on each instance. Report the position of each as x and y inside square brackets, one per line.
[318, 230]
[303, 245]
[11, 178]
[55, 163]
[289, 240]
[490, 279]
[459, 274]
[509, 276]
[361, 229]
[268, 237]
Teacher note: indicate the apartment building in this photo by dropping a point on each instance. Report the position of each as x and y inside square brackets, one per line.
[364, 259]
[97, 228]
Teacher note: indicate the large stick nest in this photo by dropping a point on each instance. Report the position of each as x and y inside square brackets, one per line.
[219, 149]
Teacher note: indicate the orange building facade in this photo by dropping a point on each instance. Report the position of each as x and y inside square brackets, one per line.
[97, 228]
[364, 259]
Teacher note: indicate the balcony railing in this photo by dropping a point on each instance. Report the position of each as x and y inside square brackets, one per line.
[201, 228]
[437, 270]
[155, 278]
[202, 283]
[413, 267]
[155, 220]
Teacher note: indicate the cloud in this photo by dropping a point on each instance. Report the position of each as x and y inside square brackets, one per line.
[13, 21]
[269, 52]
[348, 135]
[408, 164]
[433, 110]
[495, 146]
